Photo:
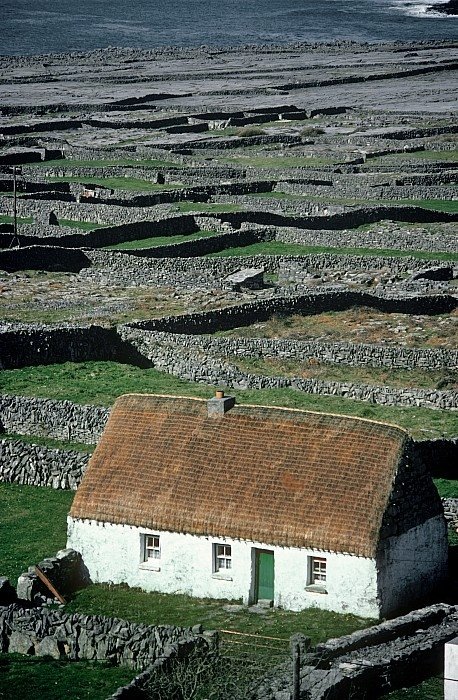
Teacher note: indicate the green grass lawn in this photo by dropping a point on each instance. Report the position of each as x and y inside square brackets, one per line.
[278, 248]
[446, 205]
[29, 677]
[414, 377]
[204, 207]
[118, 183]
[5, 219]
[83, 225]
[276, 161]
[33, 526]
[101, 382]
[451, 155]
[129, 162]
[169, 609]
[448, 488]
[431, 689]
[48, 442]
[157, 241]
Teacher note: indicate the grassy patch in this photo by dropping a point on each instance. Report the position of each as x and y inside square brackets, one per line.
[102, 382]
[118, 183]
[203, 207]
[431, 689]
[360, 324]
[129, 162]
[48, 442]
[312, 369]
[276, 161]
[446, 205]
[83, 225]
[29, 677]
[26, 510]
[278, 248]
[451, 155]
[448, 488]
[163, 608]
[161, 240]
[5, 219]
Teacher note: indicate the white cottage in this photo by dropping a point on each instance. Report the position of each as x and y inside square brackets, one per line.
[247, 502]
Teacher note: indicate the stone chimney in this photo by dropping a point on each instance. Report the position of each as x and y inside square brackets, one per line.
[219, 404]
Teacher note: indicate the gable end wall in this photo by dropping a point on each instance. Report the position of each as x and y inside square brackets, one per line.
[413, 549]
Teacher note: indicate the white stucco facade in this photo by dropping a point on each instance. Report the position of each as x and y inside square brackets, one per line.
[115, 553]
[412, 565]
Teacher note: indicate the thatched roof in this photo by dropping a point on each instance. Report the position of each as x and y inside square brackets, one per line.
[269, 475]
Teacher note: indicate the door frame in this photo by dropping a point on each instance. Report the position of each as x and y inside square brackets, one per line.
[255, 561]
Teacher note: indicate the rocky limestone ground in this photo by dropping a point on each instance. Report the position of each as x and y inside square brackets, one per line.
[344, 149]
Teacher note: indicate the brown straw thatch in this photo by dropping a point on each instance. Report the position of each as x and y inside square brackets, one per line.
[268, 475]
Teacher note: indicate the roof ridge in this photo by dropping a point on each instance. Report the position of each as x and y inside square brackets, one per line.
[277, 408]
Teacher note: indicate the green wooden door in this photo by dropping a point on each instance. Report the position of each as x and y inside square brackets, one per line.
[265, 576]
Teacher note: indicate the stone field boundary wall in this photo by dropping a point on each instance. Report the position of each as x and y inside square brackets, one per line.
[78, 637]
[351, 354]
[132, 268]
[383, 239]
[60, 420]
[370, 663]
[22, 346]
[66, 571]
[202, 367]
[130, 232]
[113, 213]
[36, 465]
[312, 303]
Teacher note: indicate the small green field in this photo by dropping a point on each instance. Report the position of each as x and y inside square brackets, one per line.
[118, 183]
[278, 248]
[29, 677]
[157, 241]
[5, 219]
[451, 155]
[129, 162]
[431, 689]
[276, 161]
[101, 383]
[83, 225]
[48, 442]
[448, 488]
[168, 609]
[415, 377]
[33, 526]
[204, 207]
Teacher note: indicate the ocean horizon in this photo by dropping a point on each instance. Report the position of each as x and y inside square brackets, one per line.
[44, 27]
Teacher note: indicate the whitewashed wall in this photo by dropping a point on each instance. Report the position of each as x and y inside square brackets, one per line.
[412, 565]
[113, 553]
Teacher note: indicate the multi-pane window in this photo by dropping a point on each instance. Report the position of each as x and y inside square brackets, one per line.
[152, 549]
[223, 557]
[317, 570]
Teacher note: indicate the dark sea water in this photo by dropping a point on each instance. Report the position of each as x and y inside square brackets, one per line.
[43, 26]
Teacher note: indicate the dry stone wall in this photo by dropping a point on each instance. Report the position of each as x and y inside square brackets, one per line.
[35, 465]
[384, 239]
[354, 355]
[371, 662]
[78, 637]
[61, 420]
[202, 367]
[311, 303]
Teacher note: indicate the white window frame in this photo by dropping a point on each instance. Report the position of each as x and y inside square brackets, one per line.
[222, 561]
[150, 544]
[317, 574]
